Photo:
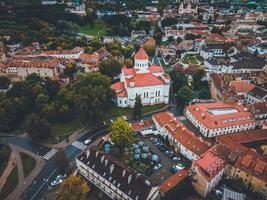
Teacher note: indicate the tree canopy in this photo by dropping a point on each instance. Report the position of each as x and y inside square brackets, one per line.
[121, 132]
[110, 67]
[73, 188]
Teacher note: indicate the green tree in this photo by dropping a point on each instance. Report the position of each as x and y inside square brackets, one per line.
[204, 93]
[88, 49]
[128, 51]
[73, 188]
[138, 107]
[121, 132]
[129, 62]
[4, 82]
[198, 75]
[93, 96]
[150, 50]
[61, 161]
[110, 67]
[70, 70]
[185, 94]
[179, 79]
[36, 127]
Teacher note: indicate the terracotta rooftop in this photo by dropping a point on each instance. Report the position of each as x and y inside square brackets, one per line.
[144, 79]
[141, 54]
[219, 115]
[138, 126]
[182, 134]
[173, 181]
[241, 86]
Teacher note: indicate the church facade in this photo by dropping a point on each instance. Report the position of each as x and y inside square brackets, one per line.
[144, 80]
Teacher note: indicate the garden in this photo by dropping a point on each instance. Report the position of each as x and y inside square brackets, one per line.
[99, 28]
[192, 60]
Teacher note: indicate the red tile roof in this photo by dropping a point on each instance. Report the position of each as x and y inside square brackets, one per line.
[128, 71]
[241, 86]
[141, 55]
[174, 180]
[201, 111]
[144, 79]
[138, 126]
[118, 86]
[155, 69]
[181, 133]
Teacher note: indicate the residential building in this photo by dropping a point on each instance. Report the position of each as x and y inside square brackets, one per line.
[207, 171]
[212, 50]
[44, 67]
[246, 164]
[74, 53]
[256, 95]
[213, 119]
[148, 82]
[187, 10]
[113, 178]
[260, 112]
[181, 138]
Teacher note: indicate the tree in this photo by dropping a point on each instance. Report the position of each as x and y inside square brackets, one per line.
[110, 67]
[185, 94]
[73, 188]
[198, 75]
[121, 132]
[4, 82]
[150, 50]
[256, 52]
[70, 70]
[138, 107]
[88, 49]
[61, 161]
[169, 21]
[129, 62]
[179, 79]
[204, 93]
[128, 51]
[36, 127]
[93, 96]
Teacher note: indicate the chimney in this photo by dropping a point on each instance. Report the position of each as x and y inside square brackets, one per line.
[129, 178]
[132, 84]
[123, 173]
[96, 153]
[106, 162]
[87, 153]
[102, 159]
[111, 168]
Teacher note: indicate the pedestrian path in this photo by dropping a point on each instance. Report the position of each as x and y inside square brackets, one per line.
[50, 154]
[79, 145]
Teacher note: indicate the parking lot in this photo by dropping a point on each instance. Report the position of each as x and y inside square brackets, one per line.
[166, 161]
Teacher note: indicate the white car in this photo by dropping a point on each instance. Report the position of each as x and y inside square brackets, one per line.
[157, 166]
[88, 141]
[61, 176]
[56, 182]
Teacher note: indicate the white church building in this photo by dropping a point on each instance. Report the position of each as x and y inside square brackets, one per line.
[148, 82]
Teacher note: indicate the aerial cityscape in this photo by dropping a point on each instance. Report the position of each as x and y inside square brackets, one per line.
[133, 99]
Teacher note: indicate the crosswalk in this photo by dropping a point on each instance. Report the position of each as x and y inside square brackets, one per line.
[50, 154]
[79, 145]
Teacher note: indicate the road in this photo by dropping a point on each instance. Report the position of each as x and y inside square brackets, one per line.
[41, 183]
[49, 171]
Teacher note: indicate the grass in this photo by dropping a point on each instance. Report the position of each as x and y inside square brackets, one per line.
[61, 130]
[98, 28]
[28, 163]
[116, 111]
[195, 59]
[5, 154]
[10, 184]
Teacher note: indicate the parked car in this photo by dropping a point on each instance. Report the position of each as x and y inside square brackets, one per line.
[61, 176]
[176, 168]
[56, 182]
[157, 166]
[175, 158]
[88, 141]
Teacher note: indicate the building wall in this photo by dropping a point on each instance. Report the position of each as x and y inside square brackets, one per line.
[43, 72]
[207, 132]
[253, 182]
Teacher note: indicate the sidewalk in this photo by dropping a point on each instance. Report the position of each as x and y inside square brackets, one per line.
[8, 169]
[23, 183]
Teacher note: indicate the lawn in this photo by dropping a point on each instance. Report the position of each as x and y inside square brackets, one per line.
[193, 59]
[10, 184]
[116, 111]
[99, 28]
[28, 163]
[5, 154]
[61, 130]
